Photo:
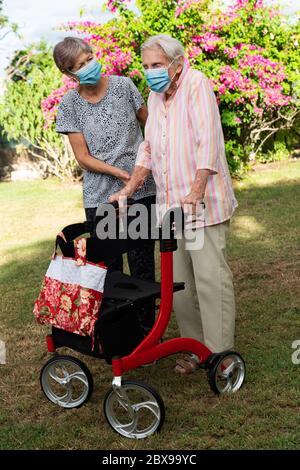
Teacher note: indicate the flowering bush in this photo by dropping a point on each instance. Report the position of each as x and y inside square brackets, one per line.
[248, 50]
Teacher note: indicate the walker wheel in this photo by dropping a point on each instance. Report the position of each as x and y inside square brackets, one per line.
[134, 410]
[66, 381]
[227, 373]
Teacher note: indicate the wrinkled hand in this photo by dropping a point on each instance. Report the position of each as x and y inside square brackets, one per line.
[192, 202]
[121, 195]
[141, 183]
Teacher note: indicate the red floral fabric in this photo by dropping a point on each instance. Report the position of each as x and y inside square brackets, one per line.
[80, 251]
[68, 306]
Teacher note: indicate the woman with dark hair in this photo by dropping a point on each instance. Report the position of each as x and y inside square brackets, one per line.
[102, 117]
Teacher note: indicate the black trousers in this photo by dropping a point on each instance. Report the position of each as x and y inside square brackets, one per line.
[141, 265]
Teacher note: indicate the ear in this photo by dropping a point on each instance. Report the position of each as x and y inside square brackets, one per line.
[71, 75]
[180, 64]
[179, 68]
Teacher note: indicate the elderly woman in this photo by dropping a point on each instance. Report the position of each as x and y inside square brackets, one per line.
[101, 118]
[184, 148]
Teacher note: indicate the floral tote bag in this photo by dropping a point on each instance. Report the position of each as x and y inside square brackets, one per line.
[72, 290]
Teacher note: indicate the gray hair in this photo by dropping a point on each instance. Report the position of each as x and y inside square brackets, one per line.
[171, 47]
[66, 52]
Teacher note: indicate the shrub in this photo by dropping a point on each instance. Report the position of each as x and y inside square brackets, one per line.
[31, 77]
[248, 50]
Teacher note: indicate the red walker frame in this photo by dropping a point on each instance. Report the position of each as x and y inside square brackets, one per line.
[149, 349]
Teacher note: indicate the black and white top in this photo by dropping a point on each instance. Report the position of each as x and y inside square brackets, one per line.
[112, 134]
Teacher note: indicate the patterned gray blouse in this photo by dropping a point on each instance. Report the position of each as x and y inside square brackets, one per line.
[112, 134]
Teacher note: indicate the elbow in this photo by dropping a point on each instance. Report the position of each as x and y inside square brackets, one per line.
[83, 166]
[82, 162]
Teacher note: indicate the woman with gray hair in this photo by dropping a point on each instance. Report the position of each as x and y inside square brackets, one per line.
[184, 149]
[101, 117]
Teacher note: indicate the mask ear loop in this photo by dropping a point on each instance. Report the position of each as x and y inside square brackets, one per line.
[73, 75]
[170, 66]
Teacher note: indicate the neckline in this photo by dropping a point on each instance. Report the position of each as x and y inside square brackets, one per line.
[101, 99]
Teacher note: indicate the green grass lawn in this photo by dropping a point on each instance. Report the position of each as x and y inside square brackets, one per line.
[263, 252]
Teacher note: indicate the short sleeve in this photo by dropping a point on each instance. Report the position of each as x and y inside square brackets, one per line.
[206, 124]
[135, 97]
[66, 121]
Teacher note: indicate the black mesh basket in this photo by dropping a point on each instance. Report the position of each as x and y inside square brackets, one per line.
[117, 333]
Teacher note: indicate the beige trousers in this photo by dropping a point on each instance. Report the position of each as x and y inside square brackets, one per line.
[205, 310]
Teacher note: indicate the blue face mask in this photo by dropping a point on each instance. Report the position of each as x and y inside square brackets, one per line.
[89, 74]
[158, 79]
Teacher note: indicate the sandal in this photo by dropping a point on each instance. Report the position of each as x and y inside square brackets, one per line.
[187, 365]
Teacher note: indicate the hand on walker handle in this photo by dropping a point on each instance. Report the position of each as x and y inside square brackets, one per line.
[191, 202]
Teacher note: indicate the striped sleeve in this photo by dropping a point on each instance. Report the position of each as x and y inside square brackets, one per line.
[205, 120]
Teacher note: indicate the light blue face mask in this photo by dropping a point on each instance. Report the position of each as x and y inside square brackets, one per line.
[89, 74]
[158, 80]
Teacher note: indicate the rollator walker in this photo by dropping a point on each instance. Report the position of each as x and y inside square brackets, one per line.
[132, 408]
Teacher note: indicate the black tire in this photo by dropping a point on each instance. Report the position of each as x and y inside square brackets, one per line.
[135, 384]
[85, 377]
[214, 373]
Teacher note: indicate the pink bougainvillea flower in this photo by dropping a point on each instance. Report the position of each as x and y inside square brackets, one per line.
[184, 5]
[208, 41]
[135, 73]
[112, 5]
[242, 70]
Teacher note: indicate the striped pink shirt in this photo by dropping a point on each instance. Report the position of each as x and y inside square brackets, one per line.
[184, 134]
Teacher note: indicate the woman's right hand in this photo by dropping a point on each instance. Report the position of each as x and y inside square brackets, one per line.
[123, 175]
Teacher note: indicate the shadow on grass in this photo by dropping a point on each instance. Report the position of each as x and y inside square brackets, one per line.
[20, 281]
[26, 267]
[266, 223]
